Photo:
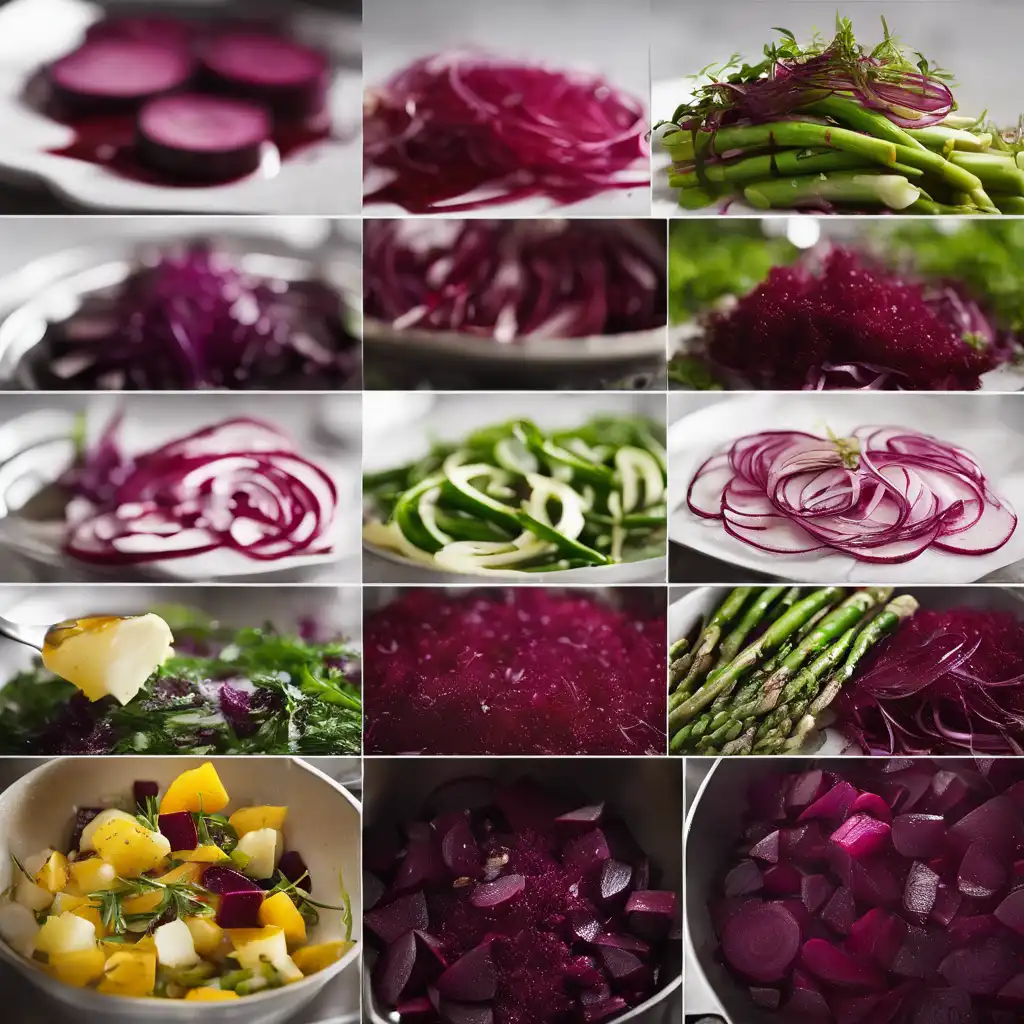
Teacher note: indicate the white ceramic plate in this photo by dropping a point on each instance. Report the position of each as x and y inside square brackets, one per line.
[324, 179]
[981, 427]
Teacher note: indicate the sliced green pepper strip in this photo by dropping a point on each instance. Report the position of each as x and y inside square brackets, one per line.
[406, 515]
[563, 543]
[535, 441]
[634, 467]
[460, 477]
[464, 527]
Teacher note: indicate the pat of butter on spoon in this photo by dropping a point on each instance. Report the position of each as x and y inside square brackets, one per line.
[103, 655]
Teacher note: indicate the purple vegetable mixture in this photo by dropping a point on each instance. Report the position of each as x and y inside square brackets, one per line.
[506, 904]
[887, 892]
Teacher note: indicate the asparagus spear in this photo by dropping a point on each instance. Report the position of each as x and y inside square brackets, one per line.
[678, 649]
[860, 119]
[861, 188]
[882, 625]
[769, 641]
[751, 619]
[848, 614]
[677, 670]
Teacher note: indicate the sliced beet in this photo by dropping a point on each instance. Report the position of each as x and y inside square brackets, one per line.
[623, 967]
[861, 836]
[180, 830]
[1013, 990]
[946, 791]
[920, 892]
[806, 844]
[982, 871]
[422, 864]
[744, 879]
[944, 1006]
[430, 961]
[413, 1009]
[947, 904]
[875, 882]
[833, 805]
[836, 967]
[623, 940]
[224, 880]
[650, 913]
[149, 28]
[874, 1008]
[466, 793]
[288, 77]
[1010, 911]
[815, 891]
[579, 821]
[293, 867]
[109, 75]
[193, 136]
[982, 969]
[804, 789]
[761, 941]
[599, 993]
[393, 971]
[614, 884]
[918, 835]
[877, 936]
[583, 924]
[405, 914]
[501, 890]
[721, 910]
[808, 1006]
[767, 849]
[782, 880]
[464, 1013]
[996, 822]
[840, 912]
[144, 790]
[966, 929]
[240, 909]
[920, 954]
[766, 998]
[587, 852]
[473, 978]
[873, 804]
[460, 852]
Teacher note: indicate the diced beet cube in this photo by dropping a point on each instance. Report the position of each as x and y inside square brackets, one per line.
[782, 880]
[180, 830]
[240, 909]
[920, 892]
[983, 969]
[473, 978]
[839, 913]
[862, 836]
[836, 967]
[144, 790]
[767, 849]
[82, 818]
[873, 804]
[579, 821]
[982, 871]
[586, 853]
[293, 867]
[650, 913]
[918, 835]
[804, 789]
[393, 971]
[615, 881]
[832, 806]
[745, 878]
[877, 936]
[405, 914]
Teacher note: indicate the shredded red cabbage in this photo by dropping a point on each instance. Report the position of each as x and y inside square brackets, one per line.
[506, 280]
[847, 323]
[469, 126]
[191, 318]
[238, 485]
[883, 494]
[945, 683]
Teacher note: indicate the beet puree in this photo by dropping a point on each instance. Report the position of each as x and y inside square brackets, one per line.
[516, 671]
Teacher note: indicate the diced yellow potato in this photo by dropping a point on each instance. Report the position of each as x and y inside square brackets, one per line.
[198, 789]
[30, 895]
[249, 819]
[130, 847]
[53, 875]
[91, 875]
[18, 928]
[78, 969]
[210, 995]
[101, 819]
[65, 933]
[287, 969]
[261, 848]
[212, 854]
[174, 946]
[310, 959]
[108, 655]
[131, 972]
[279, 910]
[252, 944]
[207, 935]
[81, 907]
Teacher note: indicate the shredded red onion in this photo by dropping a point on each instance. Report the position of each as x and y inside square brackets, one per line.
[945, 683]
[238, 485]
[456, 124]
[507, 280]
[883, 494]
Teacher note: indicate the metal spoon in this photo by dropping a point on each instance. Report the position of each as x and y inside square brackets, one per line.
[30, 635]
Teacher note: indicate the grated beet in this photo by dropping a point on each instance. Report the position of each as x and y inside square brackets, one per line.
[848, 324]
[513, 672]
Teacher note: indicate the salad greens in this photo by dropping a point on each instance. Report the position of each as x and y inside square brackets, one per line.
[249, 691]
[512, 498]
[833, 124]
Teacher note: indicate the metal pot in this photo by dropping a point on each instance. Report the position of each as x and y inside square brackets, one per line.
[646, 791]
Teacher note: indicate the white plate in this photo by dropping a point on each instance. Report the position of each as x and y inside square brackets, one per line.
[983, 428]
[323, 179]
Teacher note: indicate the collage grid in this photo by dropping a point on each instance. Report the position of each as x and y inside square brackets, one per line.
[386, 561]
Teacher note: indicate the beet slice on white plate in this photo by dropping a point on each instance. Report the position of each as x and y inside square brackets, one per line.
[289, 77]
[106, 75]
[202, 138]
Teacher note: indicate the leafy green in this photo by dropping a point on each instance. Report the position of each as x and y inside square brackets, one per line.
[177, 900]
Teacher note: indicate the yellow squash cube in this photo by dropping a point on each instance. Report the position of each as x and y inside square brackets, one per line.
[91, 875]
[53, 875]
[207, 935]
[250, 819]
[210, 995]
[201, 855]
[279, 910]
[65, 933]
[198, 789]
[131, 848]
[131, 972]
[78, 969]
[310, 959]
[81, 907]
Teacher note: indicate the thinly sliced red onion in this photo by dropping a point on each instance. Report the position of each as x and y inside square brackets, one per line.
[882, 495]
[238, 485]
[464, 126]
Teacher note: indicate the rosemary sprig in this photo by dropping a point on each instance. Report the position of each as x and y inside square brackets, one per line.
[149, 816]
[306, 905]
[178, 900]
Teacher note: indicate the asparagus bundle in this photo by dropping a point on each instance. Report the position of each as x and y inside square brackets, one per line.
[767, 663]
[833, 125]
